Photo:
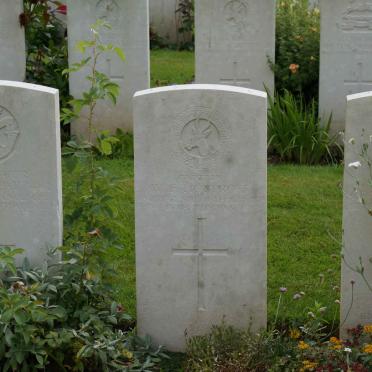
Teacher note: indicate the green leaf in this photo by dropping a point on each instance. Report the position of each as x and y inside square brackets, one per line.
[120, 53]
[106, 147]
[40, 359]
[20, 317]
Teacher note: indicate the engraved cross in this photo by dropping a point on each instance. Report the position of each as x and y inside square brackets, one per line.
[201, 252]
[359, 83]
[111, 73]
[236, 80]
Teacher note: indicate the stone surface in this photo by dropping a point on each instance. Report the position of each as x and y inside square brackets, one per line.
[200, 166]
[233, 41]
[129, 22]
[30, 169]
[356, 219]
[165, 21]
[12, 41]
[345, 56]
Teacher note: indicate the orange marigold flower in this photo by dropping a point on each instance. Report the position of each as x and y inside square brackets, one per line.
[367, 349]
[303, 345]
[367, 328]
[294, 68]
[335, 340]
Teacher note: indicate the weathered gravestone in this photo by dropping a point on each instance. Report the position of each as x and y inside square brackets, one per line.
[233, 40]
[357, 299]
[345, 56]
[200, 166]
[166, 21]
[129, 22]
[12, 41]
[30, 169]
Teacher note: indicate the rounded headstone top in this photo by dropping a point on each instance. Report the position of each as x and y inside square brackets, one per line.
[201, 87]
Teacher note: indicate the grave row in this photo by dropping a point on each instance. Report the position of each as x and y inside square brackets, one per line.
[234, 39]
[200, 186]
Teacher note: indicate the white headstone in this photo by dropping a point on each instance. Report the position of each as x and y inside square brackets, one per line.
[345, 56]
[200, 180]
[30, 169]
[164, 19]
[356, 301]
[129, 22]
[12, 41]
[234, 39]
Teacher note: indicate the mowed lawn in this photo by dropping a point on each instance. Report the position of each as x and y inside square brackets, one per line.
[304, 220]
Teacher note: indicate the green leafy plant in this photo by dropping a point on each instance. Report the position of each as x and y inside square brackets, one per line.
[61, 317]
[296, 133]
[296, 64]
[95, 187]
[46, 46]
[121, 144]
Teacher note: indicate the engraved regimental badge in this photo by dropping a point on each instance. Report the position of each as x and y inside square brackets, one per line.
[9, 133]
[202, 138]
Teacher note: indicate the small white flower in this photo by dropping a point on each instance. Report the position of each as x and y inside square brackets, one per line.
[348, 350]
[355, 165]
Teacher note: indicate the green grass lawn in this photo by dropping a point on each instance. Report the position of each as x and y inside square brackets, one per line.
[169, 67]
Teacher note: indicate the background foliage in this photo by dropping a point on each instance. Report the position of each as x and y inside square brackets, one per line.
[296, 65]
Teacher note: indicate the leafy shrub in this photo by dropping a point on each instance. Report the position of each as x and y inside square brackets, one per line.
[296, 65]
[62, 317]
[296, 133]
[46, 46]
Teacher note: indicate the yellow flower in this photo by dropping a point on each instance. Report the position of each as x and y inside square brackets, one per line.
[309, 366]
[367, 349]
[368, 328]
[336, 344]
[303, 345]
[127, 354]
[294, 334]
[335, 340]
